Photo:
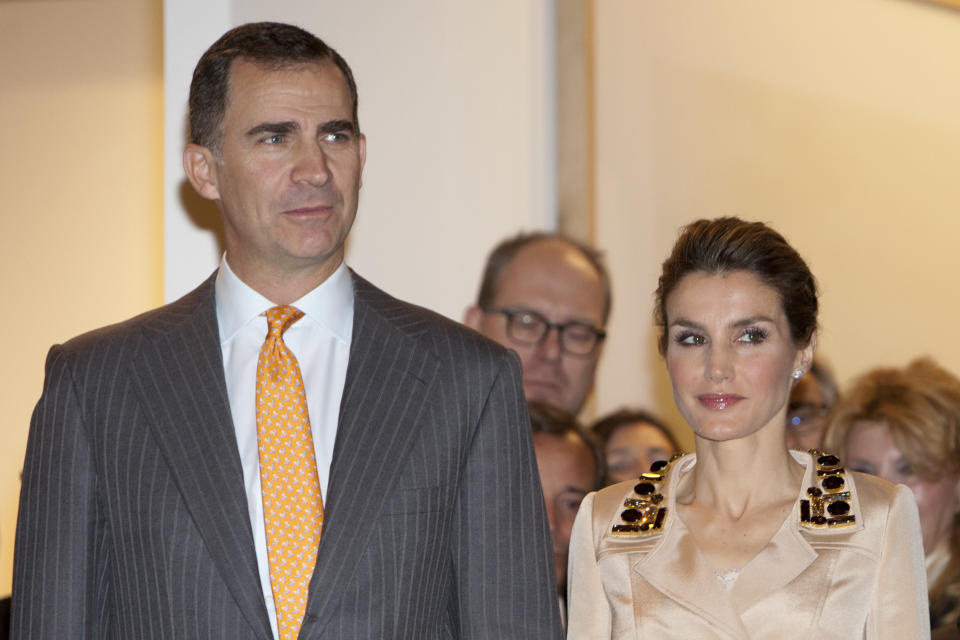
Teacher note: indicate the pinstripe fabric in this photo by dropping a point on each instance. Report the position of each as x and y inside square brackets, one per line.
[133, 522]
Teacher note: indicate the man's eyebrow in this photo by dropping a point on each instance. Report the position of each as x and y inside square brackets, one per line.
[337, 126]
[272, 128]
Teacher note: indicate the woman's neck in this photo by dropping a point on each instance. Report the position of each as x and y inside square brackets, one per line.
[737, 476]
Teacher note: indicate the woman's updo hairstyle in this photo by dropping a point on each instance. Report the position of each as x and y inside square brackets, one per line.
[724, 245]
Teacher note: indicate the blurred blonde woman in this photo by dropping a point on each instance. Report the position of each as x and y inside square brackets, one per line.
[904, 425]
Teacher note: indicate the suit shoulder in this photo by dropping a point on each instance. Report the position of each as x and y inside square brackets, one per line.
[124, 332]
[446, 337]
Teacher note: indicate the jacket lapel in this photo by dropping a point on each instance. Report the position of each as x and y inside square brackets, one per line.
[785, 557]
[388, 380]
[677, 569]
[179, 375]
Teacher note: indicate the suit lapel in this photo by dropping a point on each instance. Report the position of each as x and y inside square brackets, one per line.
[180, 379]
[388, 379]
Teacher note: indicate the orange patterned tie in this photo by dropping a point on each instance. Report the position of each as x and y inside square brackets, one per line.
[292, 505]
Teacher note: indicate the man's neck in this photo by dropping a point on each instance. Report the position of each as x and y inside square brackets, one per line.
[285, 285]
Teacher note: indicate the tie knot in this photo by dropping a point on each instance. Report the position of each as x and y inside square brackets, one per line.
[280, 318]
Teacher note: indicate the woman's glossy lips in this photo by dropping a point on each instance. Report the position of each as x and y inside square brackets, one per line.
[719, 401]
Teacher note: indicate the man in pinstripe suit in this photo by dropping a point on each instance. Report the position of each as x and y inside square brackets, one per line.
[140, 512]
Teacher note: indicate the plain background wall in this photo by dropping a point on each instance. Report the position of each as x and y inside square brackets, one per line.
[80, 168]
[836, 122]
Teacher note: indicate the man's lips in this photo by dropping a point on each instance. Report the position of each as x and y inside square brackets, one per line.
[316, 210]
[719, 401]
[541, 384]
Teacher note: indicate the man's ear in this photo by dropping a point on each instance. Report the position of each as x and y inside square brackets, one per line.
[201, 169]
[472, 317]
[363, 155]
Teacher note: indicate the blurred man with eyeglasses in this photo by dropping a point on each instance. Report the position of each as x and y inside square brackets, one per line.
[548, 298]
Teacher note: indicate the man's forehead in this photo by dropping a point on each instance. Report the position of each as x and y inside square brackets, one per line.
[254, 74]
[554, 274]
[567, 453]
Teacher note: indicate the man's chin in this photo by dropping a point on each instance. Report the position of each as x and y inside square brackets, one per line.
[544, 393]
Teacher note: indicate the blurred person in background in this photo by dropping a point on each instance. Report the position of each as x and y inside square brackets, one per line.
[810, 401]
[633, 439]
[571, 466]
[904, 425]
[547, 297]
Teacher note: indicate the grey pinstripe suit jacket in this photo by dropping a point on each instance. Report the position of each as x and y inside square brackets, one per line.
[133, 520]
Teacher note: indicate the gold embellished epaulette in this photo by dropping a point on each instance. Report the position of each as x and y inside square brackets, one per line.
[828, 504]
[643, 513]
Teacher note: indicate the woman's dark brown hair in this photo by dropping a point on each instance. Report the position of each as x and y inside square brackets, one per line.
[724, 245]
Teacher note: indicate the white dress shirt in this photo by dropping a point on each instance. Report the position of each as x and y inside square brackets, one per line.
[320, 341]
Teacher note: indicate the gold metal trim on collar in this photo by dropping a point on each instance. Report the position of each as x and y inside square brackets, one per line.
[828, 504]
[643, 513]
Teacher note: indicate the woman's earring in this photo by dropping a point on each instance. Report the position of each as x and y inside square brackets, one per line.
[797, 374]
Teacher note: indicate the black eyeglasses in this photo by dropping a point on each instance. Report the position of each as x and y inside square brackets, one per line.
[529, 327]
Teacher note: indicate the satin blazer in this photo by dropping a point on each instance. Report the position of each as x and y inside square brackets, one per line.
[854, 570]
[134, 522]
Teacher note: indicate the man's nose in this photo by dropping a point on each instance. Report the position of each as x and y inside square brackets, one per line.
[311, 165]
[550, 348]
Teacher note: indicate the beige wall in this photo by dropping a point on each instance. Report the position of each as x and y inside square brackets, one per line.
[80, 177]
[837, 122]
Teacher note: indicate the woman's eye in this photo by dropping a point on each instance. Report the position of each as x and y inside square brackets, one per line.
[690, 339]
[754, 335]
[904, 469]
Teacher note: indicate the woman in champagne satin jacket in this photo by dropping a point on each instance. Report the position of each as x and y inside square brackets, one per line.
[744, 539]
[864, 579]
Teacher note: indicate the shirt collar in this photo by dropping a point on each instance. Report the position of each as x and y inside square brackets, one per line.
[330, 304]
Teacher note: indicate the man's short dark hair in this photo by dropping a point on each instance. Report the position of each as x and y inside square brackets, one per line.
[503, 253]
[271, 45]
[545, 418]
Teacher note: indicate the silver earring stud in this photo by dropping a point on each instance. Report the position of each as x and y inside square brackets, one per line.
[797, 374]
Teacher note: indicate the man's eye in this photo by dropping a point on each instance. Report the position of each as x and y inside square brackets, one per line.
[336, 136]
[527, 320]
[276, 138]
[578, 333]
